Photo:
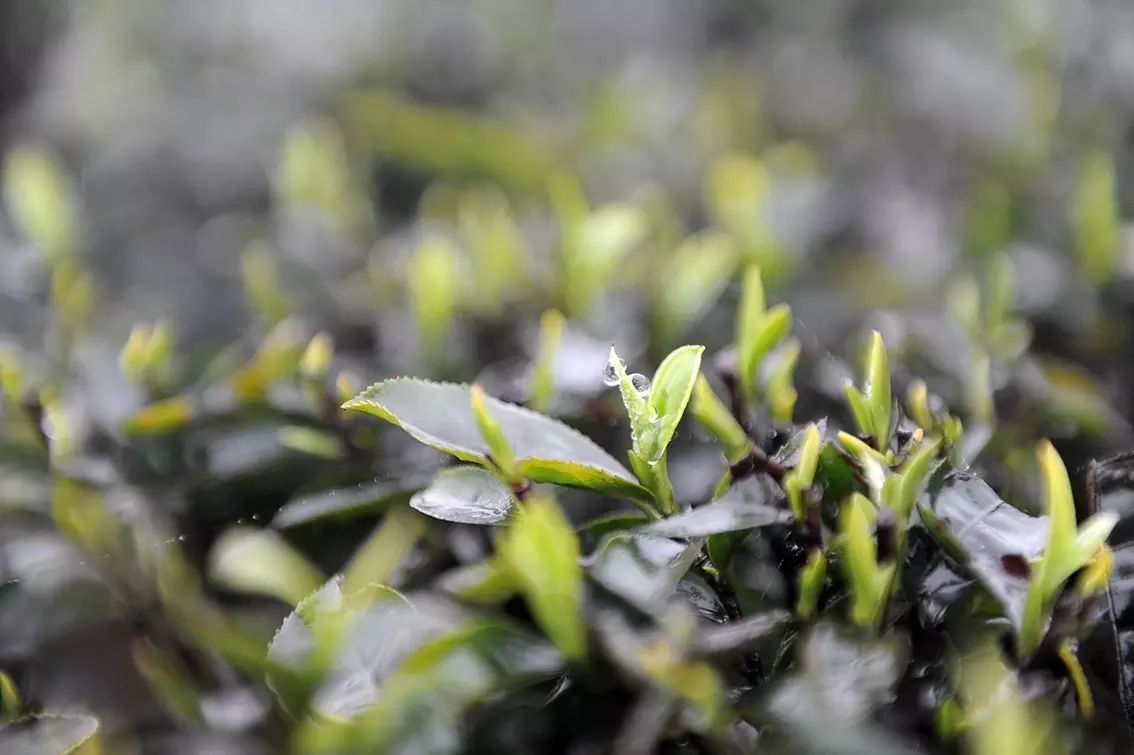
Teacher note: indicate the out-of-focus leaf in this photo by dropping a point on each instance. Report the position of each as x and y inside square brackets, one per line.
[39, 199]
[698, 272]
[260, 561]
[1111, 647]
[542, 552]
[342, 504]
[714, 416]
[51, 735]
[740, 635]
[468, 495]
[966, 512]
[841, 680]
[431, 280]
[382, 551]
[262, 284]
[551, 324]
[419, 705]
[369, 639]
[1096, 216]
[642, 569]
[728, 514]
[487, 582]
[440, 415]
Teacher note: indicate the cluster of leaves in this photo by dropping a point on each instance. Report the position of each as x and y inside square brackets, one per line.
[850, 583]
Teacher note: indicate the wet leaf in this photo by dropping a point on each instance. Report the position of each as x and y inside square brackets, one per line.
[440, 415]
[966, 512]
[51, 735]
[669, 394]
[467, 495]
[642, 569]
[842, 677]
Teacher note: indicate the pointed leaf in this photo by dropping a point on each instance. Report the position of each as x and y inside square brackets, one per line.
[542, 553]
[260, 561]
[669, 394]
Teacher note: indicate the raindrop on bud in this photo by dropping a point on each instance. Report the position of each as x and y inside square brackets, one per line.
[641, 383]
[610, 374]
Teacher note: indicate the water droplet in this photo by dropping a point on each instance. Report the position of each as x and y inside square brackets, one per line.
[610, 374]
[641, 383]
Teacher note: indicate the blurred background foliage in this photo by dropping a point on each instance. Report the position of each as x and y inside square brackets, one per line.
[221, 219]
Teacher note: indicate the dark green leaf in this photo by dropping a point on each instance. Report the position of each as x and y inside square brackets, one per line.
[440, 415]
[967, 512]
[642, 569]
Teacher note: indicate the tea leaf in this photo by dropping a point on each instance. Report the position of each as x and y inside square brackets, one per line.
[440, 415]
[542, 553]
[468, 495]
[669, 394]
[260, 561]
[500, 453]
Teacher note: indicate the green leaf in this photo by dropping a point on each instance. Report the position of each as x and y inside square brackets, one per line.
[878, 391]
[636, 405]
[1096, 216]
[440, 415]
[669, 394]
[811, 578]
[10, 705]
[809, 449]
[551, 324]
[749, 316]
[467, 495]
[758, 329]
[840, 679]
[697, 274]
[486, 583]
[378, 556]
[431, 281]
[869, 582]
[859, 410]
[712, 414]
[542, 552]
[260, 561]
[914, 473]
[779, 389]
[500, 453]
[262, 286]
[40, 201]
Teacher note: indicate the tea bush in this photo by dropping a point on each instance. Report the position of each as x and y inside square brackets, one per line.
[724, 428]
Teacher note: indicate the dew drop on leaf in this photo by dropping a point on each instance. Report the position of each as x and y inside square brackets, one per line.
[610, 373]
[641, 383]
